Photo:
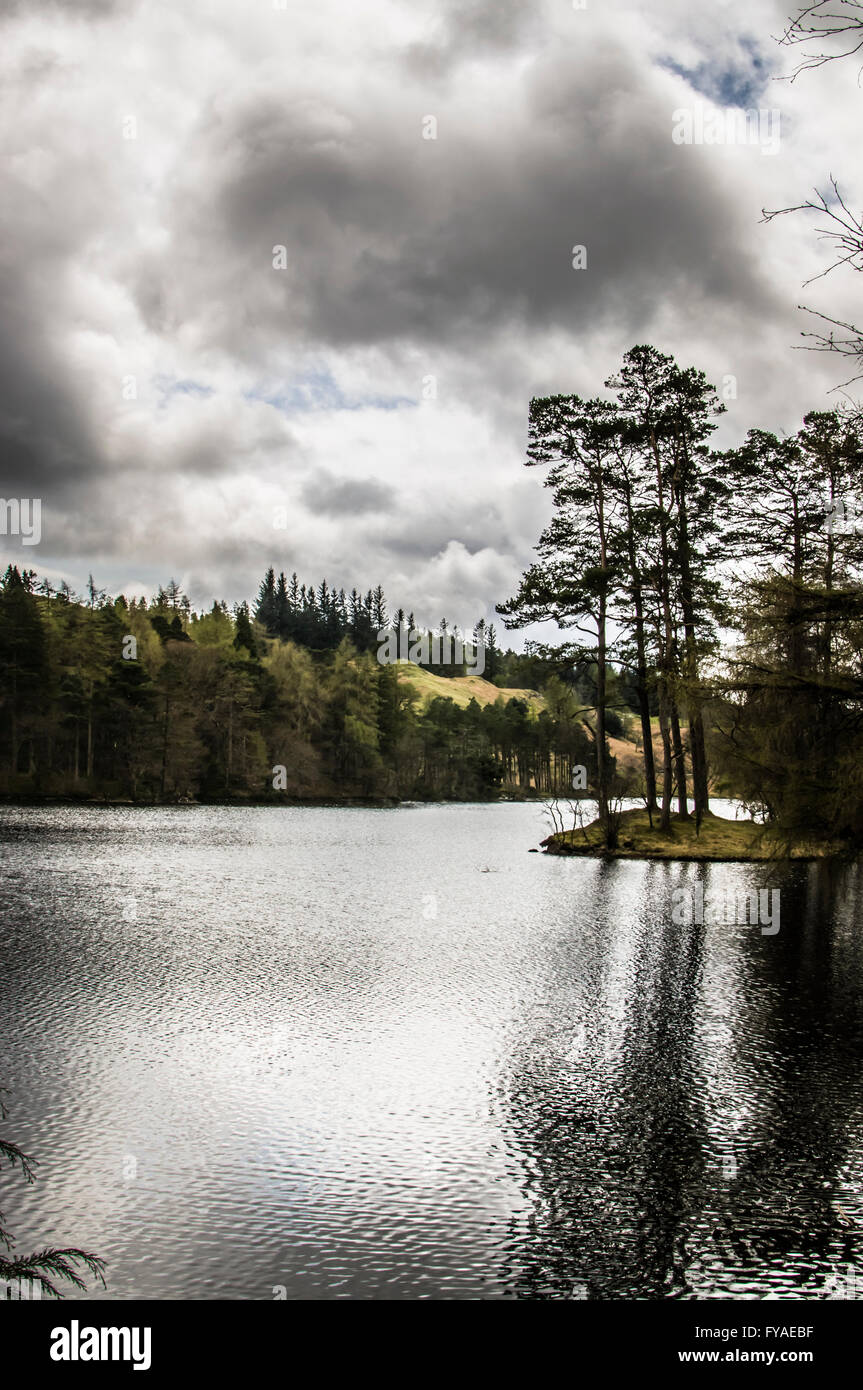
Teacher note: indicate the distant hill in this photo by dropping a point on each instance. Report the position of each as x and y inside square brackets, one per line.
[462, 689]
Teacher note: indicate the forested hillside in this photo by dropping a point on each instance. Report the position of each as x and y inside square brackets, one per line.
[104, 697]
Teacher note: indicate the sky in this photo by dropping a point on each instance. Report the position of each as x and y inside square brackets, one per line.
[278, 281]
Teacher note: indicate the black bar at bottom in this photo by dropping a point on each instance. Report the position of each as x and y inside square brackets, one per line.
[222, 1339]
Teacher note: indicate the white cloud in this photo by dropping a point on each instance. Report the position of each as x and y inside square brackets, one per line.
[408, 259]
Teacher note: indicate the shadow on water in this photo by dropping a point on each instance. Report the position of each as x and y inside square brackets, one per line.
[691, 1124]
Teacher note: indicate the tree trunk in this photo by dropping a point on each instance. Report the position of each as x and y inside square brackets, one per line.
[665, 820]
[165, 747]
[641, 660]
[644, 715]
[679, 764]
[609, 829]
[229, 767]
[90, 734]
[698, 748]
[601, 760]
[666, 639]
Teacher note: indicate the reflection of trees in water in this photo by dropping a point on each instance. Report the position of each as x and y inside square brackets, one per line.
[640, 1183]
[788, 1207]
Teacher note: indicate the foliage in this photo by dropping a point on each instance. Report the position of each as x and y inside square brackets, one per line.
[45, 1267]
[122, 699]
[658, 547]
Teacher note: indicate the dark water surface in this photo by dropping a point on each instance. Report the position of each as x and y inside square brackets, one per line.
[388, 1053]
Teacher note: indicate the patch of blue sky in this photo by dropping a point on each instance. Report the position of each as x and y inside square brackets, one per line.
[172, 386]
[740, 84]
[320, 391]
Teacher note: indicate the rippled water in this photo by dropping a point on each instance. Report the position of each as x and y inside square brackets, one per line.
[352, 1053]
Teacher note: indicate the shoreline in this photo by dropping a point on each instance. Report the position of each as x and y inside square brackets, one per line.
[719, 841]
[347, 802]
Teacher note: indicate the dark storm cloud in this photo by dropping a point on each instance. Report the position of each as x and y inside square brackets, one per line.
[424, 535]
[405, 258]
[46, 446]
[471, 29]
[55, 195]
[327, 495]
[392, 238]
[75, 9]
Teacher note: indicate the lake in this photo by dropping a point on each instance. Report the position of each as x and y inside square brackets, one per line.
[339, 1053]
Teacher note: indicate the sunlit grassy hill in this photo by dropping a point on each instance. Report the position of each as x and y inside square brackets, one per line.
[462, 689]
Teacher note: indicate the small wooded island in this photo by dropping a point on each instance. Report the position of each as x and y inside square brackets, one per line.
[715, 839]
[719, 597]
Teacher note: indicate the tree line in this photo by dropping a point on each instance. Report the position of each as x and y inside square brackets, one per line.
[727, 581]
[152, 701]
[320, 617]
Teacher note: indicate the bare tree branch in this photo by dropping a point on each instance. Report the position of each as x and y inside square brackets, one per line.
[846, 234]
[825, 20]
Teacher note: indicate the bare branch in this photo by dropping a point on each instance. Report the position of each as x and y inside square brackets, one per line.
[825, 20]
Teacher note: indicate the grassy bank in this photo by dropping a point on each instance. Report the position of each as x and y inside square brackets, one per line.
[718, 839]
[462, 689]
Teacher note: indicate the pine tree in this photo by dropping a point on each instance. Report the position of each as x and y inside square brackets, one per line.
[244, 637]
[46, 1267]
[267, 610]
[283, 609]
[379, 609]
[24, 671]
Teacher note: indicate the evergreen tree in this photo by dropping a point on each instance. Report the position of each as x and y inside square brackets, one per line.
[23, 669]
[46, 1267]
[267, 610]
[244, 637]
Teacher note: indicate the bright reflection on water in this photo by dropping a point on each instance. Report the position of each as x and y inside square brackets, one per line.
[389, 1053]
